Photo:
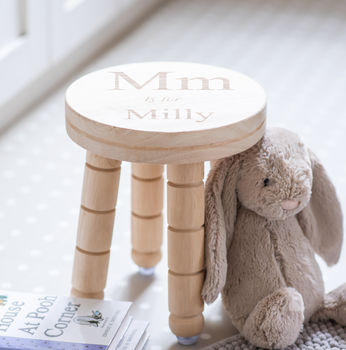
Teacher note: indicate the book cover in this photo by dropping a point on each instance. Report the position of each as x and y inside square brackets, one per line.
[41, 322]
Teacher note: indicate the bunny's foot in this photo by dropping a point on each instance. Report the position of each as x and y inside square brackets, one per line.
[334, 306]
[276, 320]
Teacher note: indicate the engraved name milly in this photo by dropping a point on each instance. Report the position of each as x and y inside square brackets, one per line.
[161, 82]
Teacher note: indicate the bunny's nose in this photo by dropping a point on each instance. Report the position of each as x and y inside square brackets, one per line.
[289, 204]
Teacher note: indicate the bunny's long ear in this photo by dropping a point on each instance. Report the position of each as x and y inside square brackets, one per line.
[220, 214]
[321, 220]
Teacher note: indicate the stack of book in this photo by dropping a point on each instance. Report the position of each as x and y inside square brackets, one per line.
[49, 322]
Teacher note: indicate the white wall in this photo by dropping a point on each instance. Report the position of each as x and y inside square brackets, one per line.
[42, 42]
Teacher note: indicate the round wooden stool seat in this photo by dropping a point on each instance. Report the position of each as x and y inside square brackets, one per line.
[165, 112]
[152, 114]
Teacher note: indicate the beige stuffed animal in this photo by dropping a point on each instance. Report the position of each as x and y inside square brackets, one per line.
[268, 211]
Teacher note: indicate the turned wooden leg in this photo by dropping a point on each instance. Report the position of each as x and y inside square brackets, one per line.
[95, 228]
[146, 217]
[185, 196]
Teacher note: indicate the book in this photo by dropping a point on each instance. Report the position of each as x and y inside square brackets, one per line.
[121, 332]
[133, 338]
[41, 322]
[143, 342]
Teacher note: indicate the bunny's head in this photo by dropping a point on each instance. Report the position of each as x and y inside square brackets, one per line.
[276, 178]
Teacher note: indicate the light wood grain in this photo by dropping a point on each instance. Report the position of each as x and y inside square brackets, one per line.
[185, 174]
[187, 325]
[147, 171]
[185, 205]
[189, 125]
[95, 228]
[76, 293]
[176, 113]
[147, 196]
[191, 197]
[100, 188]
[101, 162]
[146, 232]
[184, 297]
[90, 271]
[191, 242]
[146, 260]
[146, 218]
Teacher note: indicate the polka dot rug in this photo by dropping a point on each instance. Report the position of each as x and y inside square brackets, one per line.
[295, 49]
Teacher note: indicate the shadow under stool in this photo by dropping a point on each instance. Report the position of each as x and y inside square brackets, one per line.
[151, 114]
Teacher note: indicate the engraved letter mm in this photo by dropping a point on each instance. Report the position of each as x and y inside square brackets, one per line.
[161, 76]
[205, 83]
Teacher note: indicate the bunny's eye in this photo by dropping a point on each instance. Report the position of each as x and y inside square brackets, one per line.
[266, 182]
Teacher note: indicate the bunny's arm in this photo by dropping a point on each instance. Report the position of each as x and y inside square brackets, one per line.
[217, 203]
[321, 219]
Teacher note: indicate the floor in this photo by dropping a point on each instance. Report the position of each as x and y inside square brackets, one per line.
[295, 49]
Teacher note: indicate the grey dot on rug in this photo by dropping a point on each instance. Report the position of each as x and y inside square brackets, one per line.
[314, 336]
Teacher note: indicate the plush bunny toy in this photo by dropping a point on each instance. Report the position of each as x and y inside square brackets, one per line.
[268, 211]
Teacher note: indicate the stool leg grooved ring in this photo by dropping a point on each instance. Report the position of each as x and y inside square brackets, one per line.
[185, 205]
[146, 217]
[95, 228]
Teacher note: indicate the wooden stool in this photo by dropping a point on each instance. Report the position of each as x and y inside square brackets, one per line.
[151, 114]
